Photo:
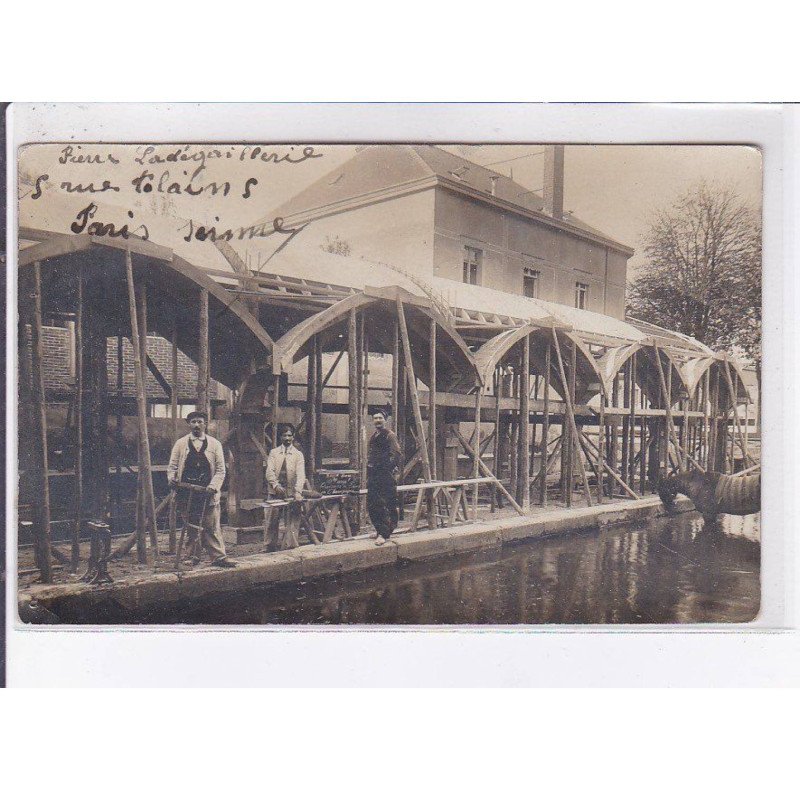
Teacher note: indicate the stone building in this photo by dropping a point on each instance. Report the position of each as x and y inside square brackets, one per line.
[427, 211]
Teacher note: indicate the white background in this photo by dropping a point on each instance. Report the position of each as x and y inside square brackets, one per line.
[464, 744]
[455, 657]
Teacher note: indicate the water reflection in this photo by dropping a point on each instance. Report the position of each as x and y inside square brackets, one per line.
[674, 570]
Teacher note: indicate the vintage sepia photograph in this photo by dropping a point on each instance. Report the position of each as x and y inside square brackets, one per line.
[388, 384]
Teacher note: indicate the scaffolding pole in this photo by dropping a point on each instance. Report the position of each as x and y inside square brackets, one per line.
[145, 465]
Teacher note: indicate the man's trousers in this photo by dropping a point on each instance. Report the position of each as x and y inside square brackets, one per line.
[289, 538]
[211, 534]
[382, 504]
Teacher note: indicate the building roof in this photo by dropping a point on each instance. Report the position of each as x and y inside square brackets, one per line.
[378, 168]
[309, 262]
[495, 301]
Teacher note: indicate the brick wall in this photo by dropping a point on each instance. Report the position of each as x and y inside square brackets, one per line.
[57, 366]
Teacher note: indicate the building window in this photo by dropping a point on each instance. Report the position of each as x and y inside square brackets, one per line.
[581, 294]
[472, 264]
[530, 282]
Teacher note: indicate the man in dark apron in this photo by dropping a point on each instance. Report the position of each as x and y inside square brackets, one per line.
[199, 459]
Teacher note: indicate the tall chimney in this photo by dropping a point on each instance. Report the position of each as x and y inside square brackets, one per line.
[554, 180]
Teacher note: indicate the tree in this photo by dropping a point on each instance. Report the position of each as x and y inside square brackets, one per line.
[703, 271]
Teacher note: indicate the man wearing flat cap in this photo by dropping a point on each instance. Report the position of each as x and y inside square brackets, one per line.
[286, 476]
[198, 458]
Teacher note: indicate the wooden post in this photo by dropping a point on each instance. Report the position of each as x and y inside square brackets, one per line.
[118, 432]
[498, 392]
[733, 390]
[173, 399]
[568, 445]
[730, 433]
[432, 398]
[534, 441]
[311, 383]
[412, 388]
[514, 450]
[141, 501]
[626, 422]
[202, 360]
[77, 524]
[643, 444]
[95, 401]
[364, 383]
[601, 429]
[352, 391]
[574, 450]
[318, 389]
[486, 472]
[173, 513]
[523, 471]
[41, 482]
[145, 465]
[476, 464]
[615, 433]
[276, 408]
[589, 446]
[332, 367]
[685, 432]
[704, 432]
[401, 414]
[666, 393]
[396, 379]
[631, 460]
[747, 423]
[570, 412]
[716, 460]
[545, 426]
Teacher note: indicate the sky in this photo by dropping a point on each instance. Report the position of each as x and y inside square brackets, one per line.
[614, 188]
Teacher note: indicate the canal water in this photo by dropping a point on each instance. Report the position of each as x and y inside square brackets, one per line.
[671, 570]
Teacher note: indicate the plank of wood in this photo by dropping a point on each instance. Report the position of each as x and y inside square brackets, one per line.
[455, 505]
[77, 524]
[488, 473]
[141, 406]
[412, 388]
[330, 524]
[417, 510]
[352, 394]
[524, 441]
[618, 478]
[570, 414]
[202, 359]
[667, 406]
[43, 544]
[737, 427]
[432, 396]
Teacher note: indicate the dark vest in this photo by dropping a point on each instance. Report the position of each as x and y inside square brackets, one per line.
[196, 469]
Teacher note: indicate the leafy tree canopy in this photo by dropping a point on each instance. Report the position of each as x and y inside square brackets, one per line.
[703, 271]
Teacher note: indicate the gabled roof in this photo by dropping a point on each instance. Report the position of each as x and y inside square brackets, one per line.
[381, 167]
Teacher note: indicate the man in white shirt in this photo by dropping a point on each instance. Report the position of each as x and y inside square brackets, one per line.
[286, 476]
[198, 458]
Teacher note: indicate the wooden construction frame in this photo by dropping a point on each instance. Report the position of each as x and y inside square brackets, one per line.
[439, 383]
